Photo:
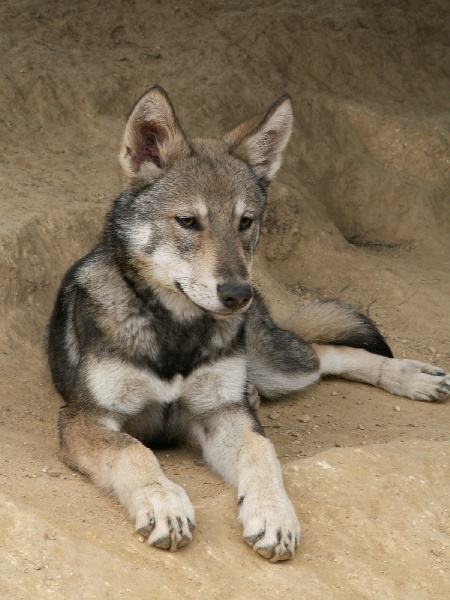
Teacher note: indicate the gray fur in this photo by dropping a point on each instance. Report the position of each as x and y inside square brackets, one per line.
[158, 337]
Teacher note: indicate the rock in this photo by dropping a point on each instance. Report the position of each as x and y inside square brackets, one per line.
[274, 415]
[53, 473]
[372, 528]
[304, 419]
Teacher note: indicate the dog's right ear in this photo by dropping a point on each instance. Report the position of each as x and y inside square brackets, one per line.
[153, 139]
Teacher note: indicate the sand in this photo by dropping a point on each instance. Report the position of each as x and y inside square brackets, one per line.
[359, 211]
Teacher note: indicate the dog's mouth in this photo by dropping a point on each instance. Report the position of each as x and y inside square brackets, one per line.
[235, 306]
[221, 316]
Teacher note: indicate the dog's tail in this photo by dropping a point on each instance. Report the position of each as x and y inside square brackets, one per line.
[331, 322]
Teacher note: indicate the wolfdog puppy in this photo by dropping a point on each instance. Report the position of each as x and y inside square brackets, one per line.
[158, 335]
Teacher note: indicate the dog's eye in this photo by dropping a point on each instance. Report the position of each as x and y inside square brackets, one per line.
[188, 222]
[245, 223]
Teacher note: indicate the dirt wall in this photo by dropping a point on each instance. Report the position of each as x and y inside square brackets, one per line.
[359, 211]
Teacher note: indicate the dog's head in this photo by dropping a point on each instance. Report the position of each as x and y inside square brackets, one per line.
[190, 219]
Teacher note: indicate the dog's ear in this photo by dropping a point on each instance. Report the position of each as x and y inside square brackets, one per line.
[153, 139]
[260, 143]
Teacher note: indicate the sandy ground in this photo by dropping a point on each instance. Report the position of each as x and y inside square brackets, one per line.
[360, 211]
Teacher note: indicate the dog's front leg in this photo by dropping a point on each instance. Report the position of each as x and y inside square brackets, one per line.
[270, 523]
[124, 467]
[235, 449]
[234, 446]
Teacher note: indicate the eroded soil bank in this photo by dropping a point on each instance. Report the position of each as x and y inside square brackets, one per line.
[360, 211]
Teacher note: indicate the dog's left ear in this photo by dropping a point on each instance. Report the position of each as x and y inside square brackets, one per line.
[260, 143]
[153, 139]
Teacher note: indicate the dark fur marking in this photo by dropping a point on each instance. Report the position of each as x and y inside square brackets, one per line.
[368, 337]
[282, 349]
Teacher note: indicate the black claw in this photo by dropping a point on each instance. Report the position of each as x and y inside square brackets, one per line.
[164, 543]
[267, 551]
[169, 525]
[147, 529]
[184, 541]
[180, 524]
[279, 536]
[190, 525]
[252, 539]
[286, 555]
[240, 500]
[440, 372]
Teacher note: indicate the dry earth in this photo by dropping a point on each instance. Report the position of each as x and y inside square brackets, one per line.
[360, 210]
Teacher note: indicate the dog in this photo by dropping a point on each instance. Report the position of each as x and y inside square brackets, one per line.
[158, 336]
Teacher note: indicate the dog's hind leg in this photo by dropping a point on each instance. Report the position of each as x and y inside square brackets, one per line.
[402, 377]
[338, 341]
[123, 466]
[349, 345]
[279, 361]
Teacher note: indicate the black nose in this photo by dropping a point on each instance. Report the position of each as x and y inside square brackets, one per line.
[234, 296]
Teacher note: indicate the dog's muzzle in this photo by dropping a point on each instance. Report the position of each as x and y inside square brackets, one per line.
[235, 296]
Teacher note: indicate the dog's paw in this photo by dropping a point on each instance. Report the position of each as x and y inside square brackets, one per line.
[415, 380]
[164, 514]
[270, 525]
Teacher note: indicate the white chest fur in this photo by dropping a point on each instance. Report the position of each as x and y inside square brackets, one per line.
[120, 387]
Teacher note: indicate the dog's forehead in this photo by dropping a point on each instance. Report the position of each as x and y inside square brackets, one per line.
[214, 180]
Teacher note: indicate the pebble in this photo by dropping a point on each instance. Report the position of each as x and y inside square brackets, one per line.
[432, 350]
[274, 415]
[361, 427]
[397, 408]
[304, 419]
[141, 539]
[334, 393]
[53, 473]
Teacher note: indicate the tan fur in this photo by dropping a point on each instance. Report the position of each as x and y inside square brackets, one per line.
[120, 464]
[236, 135]
[323, 323]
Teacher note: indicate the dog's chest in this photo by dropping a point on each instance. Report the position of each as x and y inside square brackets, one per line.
[170, 348]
